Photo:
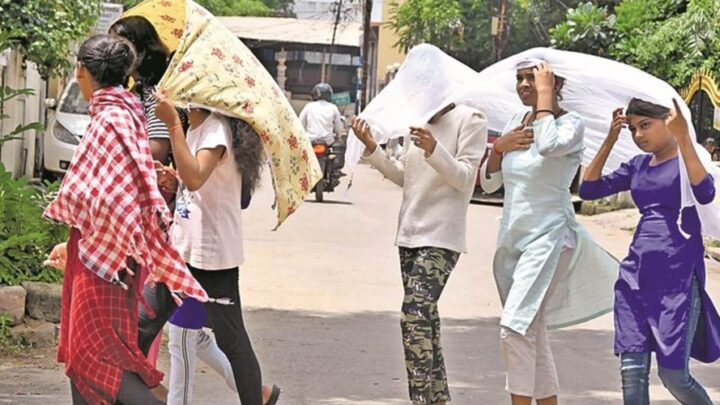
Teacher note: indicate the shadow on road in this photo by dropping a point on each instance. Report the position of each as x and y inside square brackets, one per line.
[357, 359]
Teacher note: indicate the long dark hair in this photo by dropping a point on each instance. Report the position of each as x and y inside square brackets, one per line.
[152, 53]
[109, 60]
[647, 109]
[249, 153]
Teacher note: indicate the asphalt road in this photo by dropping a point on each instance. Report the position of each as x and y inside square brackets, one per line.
[322, 297]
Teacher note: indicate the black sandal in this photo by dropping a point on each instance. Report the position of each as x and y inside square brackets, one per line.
[274, 396]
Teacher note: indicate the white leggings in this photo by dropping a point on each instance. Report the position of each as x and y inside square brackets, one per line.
[530, 365]
[185, 346]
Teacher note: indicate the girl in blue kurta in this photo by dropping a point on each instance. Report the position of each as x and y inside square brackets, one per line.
[548, 270]
[660, 302]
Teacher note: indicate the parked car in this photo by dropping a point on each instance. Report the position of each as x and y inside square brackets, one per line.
[65, 128]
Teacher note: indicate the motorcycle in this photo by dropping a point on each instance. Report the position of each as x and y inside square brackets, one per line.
[332, 159]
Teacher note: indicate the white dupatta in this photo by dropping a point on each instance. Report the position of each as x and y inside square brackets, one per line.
[710, 213]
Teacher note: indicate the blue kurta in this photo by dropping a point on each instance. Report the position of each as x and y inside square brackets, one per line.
[653, 292]
[538, 223]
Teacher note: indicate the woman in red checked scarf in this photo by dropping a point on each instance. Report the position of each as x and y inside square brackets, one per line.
[110, 199]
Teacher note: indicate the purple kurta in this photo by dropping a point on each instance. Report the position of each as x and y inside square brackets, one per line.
[653, 291]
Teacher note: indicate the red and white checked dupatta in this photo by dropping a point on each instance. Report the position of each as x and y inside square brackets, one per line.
[110, 195]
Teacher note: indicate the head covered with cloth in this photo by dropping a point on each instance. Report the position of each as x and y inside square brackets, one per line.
[212, 69]
[593, 87]
[427, 82]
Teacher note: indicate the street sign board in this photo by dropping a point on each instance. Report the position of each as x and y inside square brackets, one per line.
[342, 98]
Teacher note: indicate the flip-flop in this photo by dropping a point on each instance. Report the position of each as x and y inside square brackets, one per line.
[274, 396]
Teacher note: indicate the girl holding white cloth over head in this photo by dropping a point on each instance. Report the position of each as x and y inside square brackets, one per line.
[444, 144]
[661, 304]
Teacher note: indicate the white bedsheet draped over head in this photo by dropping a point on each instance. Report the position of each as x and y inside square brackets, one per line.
[593, 88]
[427, 81]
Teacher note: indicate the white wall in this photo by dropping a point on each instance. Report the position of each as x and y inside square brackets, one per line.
[18, 156]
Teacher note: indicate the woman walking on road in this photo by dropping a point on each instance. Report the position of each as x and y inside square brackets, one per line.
[152, 64]
[548, 271]
[660, 301]
[218, 166]
[110, 199]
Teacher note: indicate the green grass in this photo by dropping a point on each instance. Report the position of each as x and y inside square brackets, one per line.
[712, 243]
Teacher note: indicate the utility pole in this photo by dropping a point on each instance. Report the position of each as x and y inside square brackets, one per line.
[499, 29]
[328, 71]
[367, 33]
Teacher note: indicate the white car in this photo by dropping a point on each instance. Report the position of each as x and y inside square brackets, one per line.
[65, 129]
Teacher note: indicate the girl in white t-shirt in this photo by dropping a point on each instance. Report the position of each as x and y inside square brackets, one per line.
[218, 166]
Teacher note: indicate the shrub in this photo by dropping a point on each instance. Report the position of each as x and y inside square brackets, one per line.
[25, 236]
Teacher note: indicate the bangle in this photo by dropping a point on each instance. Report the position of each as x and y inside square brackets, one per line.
[551, 112]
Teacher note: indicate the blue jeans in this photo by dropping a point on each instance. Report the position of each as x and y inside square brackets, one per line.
[635, 369]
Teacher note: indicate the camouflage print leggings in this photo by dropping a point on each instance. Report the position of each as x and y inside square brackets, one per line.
[425, 272]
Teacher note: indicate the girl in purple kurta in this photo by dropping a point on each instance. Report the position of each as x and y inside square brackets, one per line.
[660, 302]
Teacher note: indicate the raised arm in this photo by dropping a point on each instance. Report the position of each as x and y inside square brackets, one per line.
[194, 170]
[605, 186]
[702, 183]
[392, 169]
[594, 170]
[558, 137]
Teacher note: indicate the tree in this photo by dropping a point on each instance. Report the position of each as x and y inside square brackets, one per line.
[462, 28]
[671, 39]
[636, 19]
[281, 8]
[676, 48]
[540, 16]
[588, 29]
[43, 30]
[438, 22]
[236, 7]
[531, 20]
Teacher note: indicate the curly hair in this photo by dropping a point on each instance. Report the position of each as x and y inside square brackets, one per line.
[249, 153]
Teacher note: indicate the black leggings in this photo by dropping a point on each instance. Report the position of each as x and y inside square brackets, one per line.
[133, 391]
[225, 320]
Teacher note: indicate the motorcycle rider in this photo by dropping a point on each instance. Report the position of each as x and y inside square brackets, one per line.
[321, 118]
[323, 123]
